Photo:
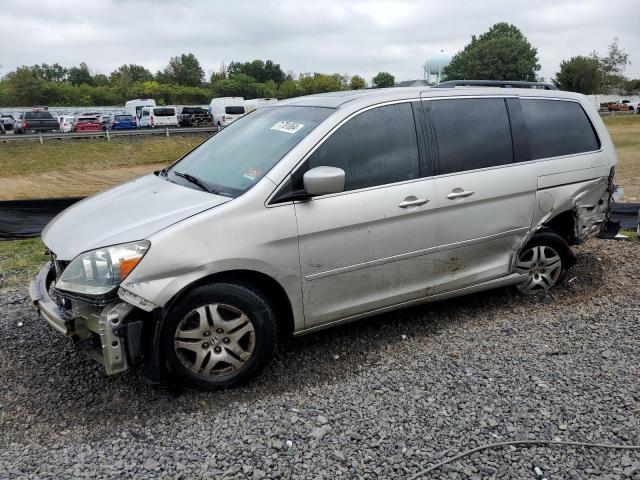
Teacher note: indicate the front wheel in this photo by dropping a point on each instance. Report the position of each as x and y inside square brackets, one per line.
[545, 260]
[219, 336]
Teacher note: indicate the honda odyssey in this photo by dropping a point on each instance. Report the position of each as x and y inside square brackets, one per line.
[320, 210]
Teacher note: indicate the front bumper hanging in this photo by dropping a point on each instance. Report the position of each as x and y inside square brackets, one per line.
[99, 330]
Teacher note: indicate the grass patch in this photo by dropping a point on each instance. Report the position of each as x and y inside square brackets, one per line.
[20, 260]
[633, 236]
[625, 133]
[26, 157]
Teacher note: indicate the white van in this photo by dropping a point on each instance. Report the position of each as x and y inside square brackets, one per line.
[134, 107]
[163, 117]
[256, 103]
[226, 110]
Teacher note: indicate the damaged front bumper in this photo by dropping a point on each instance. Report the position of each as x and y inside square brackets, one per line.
[106, 331]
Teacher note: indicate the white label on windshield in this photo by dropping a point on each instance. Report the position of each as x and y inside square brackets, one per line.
[287, 127]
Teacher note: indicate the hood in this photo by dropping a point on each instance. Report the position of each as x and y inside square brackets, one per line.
[126, 213]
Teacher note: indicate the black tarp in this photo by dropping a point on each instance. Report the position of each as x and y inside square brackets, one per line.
[27, 218]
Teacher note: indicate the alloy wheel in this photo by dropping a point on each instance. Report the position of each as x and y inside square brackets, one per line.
[543, 265]
[215, 339]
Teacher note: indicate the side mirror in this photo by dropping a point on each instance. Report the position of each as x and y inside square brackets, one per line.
[323, 180]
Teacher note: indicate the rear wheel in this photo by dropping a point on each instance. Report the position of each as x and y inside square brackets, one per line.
[219, 336]
[545, 260]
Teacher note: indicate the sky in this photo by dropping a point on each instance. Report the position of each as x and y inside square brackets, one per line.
[332, 36]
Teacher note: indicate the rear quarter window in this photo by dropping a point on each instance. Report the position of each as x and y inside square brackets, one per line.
[558, 127]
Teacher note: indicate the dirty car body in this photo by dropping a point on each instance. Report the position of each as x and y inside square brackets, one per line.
[426, 220]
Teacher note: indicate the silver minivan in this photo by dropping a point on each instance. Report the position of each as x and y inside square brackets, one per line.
[320, 210]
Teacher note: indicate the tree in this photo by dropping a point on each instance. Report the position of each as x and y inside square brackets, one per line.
[261, 71]
[383, 80]
[579, 74]
[357, 83]
[50, 73]
[79, 75]
[502, 53]
[130, 74]
[612, 66]
[183, 70]
[594, 74]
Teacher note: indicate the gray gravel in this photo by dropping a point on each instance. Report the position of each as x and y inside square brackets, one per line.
[382, 398]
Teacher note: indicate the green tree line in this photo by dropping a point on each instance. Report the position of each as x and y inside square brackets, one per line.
[182, 81]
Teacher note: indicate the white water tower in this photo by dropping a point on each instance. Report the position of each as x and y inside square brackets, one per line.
[432, 68]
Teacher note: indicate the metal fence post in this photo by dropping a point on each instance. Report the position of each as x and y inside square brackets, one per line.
[167, 130]
[40, 136]
[108, 136]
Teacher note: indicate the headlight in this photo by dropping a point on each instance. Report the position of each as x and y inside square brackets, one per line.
[99, 271]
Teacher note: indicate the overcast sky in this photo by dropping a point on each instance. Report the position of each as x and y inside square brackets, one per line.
[354, 37]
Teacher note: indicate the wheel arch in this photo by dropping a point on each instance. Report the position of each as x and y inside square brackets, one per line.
[563, 224]
[263, 283]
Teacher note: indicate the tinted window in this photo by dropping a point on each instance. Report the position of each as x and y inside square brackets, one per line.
[377, 147]
[164, 112]
[40, 115]
[234, 110]
[124, 118]
[471, 133]
[557, 128]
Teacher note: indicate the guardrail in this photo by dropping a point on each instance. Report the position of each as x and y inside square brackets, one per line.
[41, 137]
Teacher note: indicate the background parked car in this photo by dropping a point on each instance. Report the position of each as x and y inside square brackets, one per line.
[88, 124]
[39, 121]
[135, 108]
[67, 122]
[121, 121]
[163, 117]
[7, 123]
[226, 110]
[193, 117]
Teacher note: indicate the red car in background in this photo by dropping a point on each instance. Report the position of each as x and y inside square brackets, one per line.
[88, 124]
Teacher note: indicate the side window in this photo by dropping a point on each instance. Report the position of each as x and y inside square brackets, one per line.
[376, 147]
[557, 127]
[471, 133]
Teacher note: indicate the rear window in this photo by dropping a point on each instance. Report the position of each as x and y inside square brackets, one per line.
[193, 111]
[234, 110]
[471, 133]
[557, 128]
[164, 112]
[87, 119]
[124, 118]
[39, 115]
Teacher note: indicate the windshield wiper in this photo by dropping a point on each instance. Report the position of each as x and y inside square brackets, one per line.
[196, 181]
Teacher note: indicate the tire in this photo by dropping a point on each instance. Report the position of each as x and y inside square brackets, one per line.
[546, 258]
[229, 329]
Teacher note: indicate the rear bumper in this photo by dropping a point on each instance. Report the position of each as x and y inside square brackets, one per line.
[99, 330]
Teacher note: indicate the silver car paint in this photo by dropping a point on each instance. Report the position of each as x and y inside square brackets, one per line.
[128, 212]
[347, 255]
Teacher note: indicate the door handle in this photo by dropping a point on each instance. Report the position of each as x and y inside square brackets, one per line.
[412, 202]
[459, 193]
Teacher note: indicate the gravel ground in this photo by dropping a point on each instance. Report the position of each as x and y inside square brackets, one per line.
[382, 398]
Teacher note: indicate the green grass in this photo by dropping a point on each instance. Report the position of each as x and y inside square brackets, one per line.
[20, 260]
[26, 157]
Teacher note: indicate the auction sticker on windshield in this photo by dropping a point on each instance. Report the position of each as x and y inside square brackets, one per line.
[287, 127]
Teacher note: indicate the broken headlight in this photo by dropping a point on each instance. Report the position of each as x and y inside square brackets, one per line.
[99, 271]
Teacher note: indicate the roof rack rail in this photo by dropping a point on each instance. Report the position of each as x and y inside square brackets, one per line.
[495, 83]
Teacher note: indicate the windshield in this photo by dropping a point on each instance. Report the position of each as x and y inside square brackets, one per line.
[234, 110]
[241, 154]
[164, 112]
